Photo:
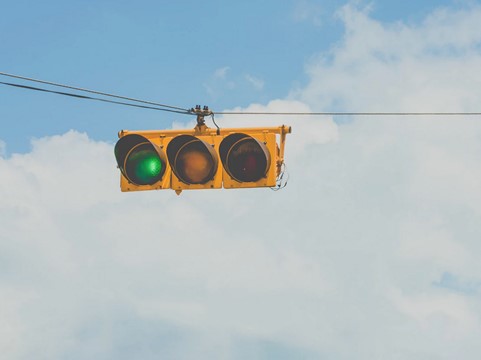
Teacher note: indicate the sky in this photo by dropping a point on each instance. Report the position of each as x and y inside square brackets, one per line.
[371, 251]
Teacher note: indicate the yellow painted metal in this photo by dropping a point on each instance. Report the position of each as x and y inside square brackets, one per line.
[161, 138]
[207, 131]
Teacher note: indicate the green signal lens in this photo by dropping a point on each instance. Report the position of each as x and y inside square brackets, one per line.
[143, 165]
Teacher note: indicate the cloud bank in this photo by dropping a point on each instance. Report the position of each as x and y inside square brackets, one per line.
[361, 256]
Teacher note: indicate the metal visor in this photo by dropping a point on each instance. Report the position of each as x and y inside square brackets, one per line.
[247, 159]
[192, 160]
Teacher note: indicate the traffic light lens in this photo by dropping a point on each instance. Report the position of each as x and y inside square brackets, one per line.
[246, 161]
[194, 164]
[143, 165]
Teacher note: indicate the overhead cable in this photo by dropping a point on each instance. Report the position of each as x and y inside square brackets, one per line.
[175, 109]
[92, 98]
[347, 113]
[93, 91]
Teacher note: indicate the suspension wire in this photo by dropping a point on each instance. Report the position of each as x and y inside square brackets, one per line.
[350, 113]
[175, 109]
[93, 92]
[217, 126]
[93, 98]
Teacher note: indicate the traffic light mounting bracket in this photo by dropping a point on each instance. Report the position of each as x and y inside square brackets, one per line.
[201, 114]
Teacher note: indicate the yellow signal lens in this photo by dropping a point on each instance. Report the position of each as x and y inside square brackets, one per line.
[192, 160]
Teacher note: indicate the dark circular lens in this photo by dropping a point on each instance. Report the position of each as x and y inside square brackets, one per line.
[143, 165]
[246, 160]
[194, 164]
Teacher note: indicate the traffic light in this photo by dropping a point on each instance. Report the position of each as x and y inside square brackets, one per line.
[201, 158]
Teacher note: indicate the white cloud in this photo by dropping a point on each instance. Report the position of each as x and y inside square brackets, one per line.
[219, 82]
[306, 131]
[451, 311]
[221, 72]
[308, 11]
[342, 263]
[400, 67]
[257, 83]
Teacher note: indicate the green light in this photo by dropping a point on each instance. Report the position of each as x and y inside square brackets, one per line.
[143, 165]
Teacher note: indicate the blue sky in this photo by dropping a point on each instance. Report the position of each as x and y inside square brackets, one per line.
[370, 252]
[175, 53]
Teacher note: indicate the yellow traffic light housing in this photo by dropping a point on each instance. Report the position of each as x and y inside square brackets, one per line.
[201, 158]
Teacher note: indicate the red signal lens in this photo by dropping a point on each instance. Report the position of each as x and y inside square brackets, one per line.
[245, 158]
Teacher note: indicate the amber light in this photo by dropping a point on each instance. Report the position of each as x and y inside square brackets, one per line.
[192, 160]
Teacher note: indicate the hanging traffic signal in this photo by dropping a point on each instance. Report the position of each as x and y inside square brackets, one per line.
[201, 158]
